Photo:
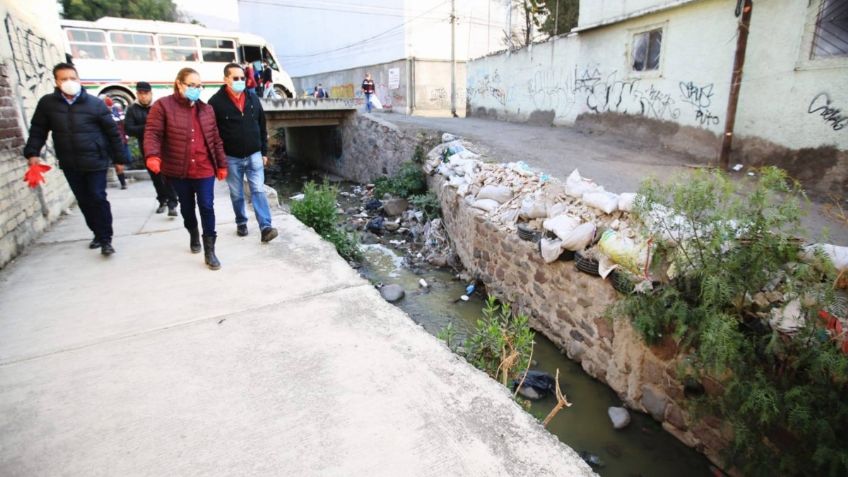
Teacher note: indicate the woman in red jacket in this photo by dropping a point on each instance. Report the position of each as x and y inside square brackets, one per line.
[181, 140]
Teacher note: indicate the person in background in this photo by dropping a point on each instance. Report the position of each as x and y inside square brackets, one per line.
[250, 77]
[368, 90]
[86, 141]
[319, 92]
[267, 81]
[241, 123]
[118, 117]
[134, 124]
[181, 141]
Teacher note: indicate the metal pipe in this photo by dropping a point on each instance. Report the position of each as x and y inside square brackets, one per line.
[735, 84]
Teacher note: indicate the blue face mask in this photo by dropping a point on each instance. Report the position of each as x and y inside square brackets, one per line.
[192, 94]
[238, 86]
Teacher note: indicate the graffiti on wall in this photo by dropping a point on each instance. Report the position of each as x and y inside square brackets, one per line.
[628, 96]
[700, 97]
[342, 91]
[489, 86]
[823, 106]
[33, 57]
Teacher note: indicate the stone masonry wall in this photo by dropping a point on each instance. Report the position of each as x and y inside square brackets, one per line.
[24, 212]
[568, 307]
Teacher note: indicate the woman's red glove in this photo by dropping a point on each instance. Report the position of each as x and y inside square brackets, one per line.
[154, 164]
[222, 174]
[35, 174]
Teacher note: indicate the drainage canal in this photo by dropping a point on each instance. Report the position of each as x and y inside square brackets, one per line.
[643, 448]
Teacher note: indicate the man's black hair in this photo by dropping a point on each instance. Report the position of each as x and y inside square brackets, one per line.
[231, 65]
[64, 66]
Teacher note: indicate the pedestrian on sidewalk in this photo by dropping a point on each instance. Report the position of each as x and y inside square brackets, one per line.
[134, 123]
[87, 143]
[118, 117]
[181, 141]
[268, 81]
[320, 92]
[250, 77]
[241, 123]
[368, 90]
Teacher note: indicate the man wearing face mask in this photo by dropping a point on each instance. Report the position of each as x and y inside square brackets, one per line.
[134, 123]
[241, 123]
[86, 141]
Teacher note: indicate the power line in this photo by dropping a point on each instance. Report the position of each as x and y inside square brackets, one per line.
[330, 7]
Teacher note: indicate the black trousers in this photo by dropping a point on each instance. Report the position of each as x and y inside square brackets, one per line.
[89, 188]
[165, 193]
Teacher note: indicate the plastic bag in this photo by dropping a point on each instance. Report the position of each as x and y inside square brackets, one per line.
[551, 249]
[561, 226]
[533, 207]
[375, 102]
[627, 201]
[624, 252]
[601, 200]
[580, 237]
[838, 255]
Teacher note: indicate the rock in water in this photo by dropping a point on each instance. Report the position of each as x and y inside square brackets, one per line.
[392, 293]
[619, 416]
[395, 207]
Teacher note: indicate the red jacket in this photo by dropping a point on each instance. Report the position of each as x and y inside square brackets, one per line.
[167, 135]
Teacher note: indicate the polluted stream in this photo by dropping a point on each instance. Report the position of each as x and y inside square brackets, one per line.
[643, 448]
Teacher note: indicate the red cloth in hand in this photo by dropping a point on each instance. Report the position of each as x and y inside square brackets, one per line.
[154, 164]
[222, 174]
[35, 174]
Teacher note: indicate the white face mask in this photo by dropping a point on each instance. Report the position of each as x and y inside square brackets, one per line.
[71, 87]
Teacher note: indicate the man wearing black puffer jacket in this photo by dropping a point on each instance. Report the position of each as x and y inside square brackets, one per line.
[241, 124]
[87, 143]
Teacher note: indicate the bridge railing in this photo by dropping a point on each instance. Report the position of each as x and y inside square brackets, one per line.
[308, 104]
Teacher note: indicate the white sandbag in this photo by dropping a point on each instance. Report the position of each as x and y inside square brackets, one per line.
[601, 200]
[486, 204]
[551, 249]
[627, 201]
[576, 186]
[624, 251]
[557, 209]
[838, 255]
[561, 226]
[580, 237]
[533, 207]
[497, 193]
[788, 319]
[447, 137]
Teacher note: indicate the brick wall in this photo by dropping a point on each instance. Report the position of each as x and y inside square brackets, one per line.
[24, 212]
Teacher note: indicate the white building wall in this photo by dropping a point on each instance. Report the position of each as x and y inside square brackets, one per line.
[785, 96]
[590, 73]
[598, 11]
[214, 14]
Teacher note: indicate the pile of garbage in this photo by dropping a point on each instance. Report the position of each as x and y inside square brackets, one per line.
[581, 220]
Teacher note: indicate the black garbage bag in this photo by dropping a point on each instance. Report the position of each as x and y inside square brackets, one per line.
[537, 385]
[373, 204]
[375, 225]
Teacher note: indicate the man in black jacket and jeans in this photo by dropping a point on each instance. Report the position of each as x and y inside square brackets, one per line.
[87, 142]
[241, 124]
[134, 124]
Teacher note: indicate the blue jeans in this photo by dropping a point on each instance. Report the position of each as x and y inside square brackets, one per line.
[368, 102]
[202, 193]
[89, 188]
[251, 167]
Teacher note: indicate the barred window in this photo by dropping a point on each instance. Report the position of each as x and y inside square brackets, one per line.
[831, 36]
[646, 50]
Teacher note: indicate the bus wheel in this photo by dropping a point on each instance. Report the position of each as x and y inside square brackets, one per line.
[120, 96]
[281, 92]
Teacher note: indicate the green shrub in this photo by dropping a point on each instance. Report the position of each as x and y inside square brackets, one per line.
[497, 335]
[318, 210]
[409, 180]
[427, 203]
[784, 395]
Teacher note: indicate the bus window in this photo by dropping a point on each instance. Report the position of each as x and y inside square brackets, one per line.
[249, 54]
[218, 50]
[132, 46]
[178, 48]
[88, 44]
[266, 55]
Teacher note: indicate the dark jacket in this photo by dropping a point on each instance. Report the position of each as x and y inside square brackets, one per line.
[242, 133]
[84, 134]
[134, 122]
[267, 75]
[167, 134]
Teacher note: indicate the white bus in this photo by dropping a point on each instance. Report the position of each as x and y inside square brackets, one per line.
[112, 54]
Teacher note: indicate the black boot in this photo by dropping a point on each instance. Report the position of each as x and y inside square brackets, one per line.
[194, 241]
[209, 252]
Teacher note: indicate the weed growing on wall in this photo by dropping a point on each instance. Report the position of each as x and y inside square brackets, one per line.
[318, 210]
[409, 180]
[501, 342]
[427, 203]
[784, 392]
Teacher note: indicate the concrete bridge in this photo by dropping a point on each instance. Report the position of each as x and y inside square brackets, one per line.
[304, 112]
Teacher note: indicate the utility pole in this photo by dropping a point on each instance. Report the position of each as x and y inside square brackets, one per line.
[453, 58]
[735, 83]
[556, 19]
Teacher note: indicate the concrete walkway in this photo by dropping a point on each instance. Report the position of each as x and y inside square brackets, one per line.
[284, 362]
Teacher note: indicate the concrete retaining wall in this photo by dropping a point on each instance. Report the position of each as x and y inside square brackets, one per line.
[29, 48]
[568, 307]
